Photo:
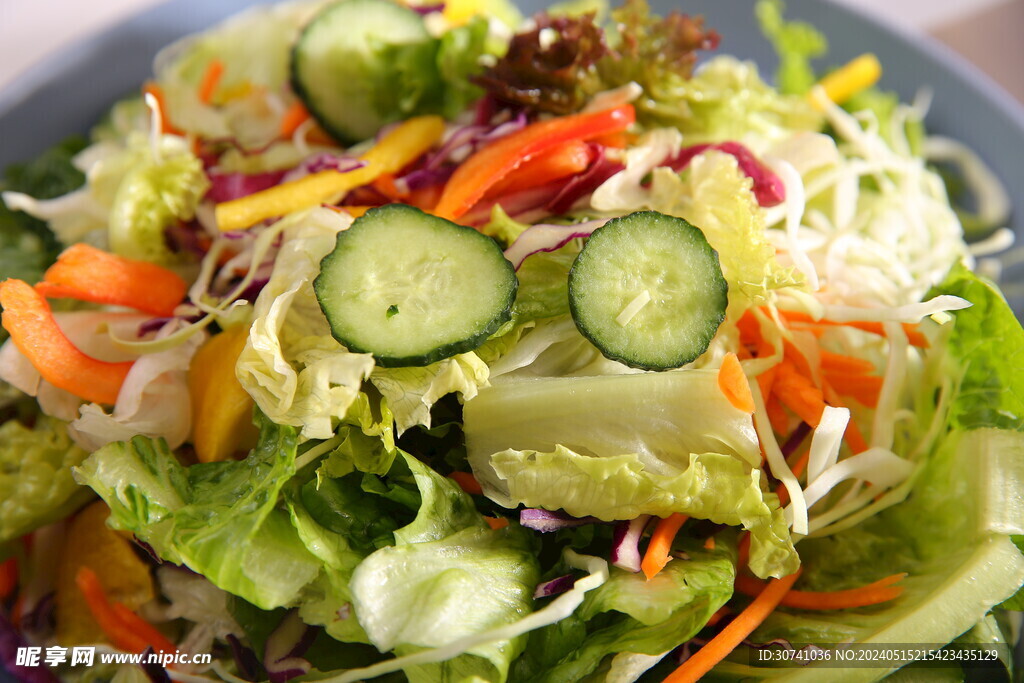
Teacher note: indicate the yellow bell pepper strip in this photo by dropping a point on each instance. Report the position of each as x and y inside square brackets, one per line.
[29, 320]
[89, 274]
[485, 168]
[124, 577]
[221, 408]
[398, 148]
[858, 74]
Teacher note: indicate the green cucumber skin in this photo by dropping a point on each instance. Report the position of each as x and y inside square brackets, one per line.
[352, 128]
[690, 349]
[504, 274]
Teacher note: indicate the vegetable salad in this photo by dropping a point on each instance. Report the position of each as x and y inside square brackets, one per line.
[431, 342]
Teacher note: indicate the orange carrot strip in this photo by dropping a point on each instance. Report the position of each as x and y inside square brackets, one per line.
[8, 577]
[293, 117]
[151, 88]
[211, 78]
[496, 522]
[798, 393]
[29, 320]
[120, 634]
[568, 159]
[385, 184]
[850, 365]
[467, 482]
[733, 383]
[89, 274]
[797, 358]
[143, 629]
[864, 388]
[914, 335]
[657, 555]
[709, 543]
[871, 594]
[719, 647]
[777, 415]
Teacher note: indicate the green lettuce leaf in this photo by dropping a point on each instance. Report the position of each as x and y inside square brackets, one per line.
[296, 372]
[152, 195]
[629, 614]
[987, 348]
[795, 42]
[36, 484]
[427, 594]
[718, 198]
[219, 519]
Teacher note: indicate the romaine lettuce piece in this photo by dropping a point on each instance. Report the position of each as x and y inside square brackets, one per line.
[36, 484]
[219, 519]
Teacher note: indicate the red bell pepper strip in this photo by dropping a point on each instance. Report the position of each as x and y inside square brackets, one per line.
[90, 274]
[29, 320]
[488, 166]
[568, 159]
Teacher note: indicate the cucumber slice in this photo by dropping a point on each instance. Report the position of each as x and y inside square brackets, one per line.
[648, 291]
[349, 66]
[412, 288]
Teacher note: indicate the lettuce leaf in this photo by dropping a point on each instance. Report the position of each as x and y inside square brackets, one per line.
[219, 519]
[629, 614]
[795, 42]
[718, 198]
[296, 372]
[36, 484]
[987, 348]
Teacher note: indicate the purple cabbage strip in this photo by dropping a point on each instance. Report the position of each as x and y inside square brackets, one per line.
[427, 9]
[795, 439]
[282, 656]
[155, 672]
[184, 238]
[10, 640]
[546, 521]
[227, 186]
[246, 660]
[546, 237]
[554, 586]
[40, 619]
[768, 187]
[626, 543]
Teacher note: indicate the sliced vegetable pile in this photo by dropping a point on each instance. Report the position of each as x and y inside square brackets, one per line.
[424, 343]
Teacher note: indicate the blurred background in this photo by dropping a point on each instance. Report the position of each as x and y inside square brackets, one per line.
[986, 32]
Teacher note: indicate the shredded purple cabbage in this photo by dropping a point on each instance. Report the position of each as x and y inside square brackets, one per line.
[546, 521]
[282, 656]
[554, 586]
[601, 169]
[547, 237]
[246, 661]
[227, 186]
[155, 672]
[769, 189]
[10, 641]
[626, 543]
[795, 439]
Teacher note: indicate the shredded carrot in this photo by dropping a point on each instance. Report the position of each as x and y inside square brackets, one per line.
[467, 482]
[33, 329]
[293, 117]
[864, 388]
[657, 555]
[871, 594]
[8, 577]
[798, 393]
[732, 635]
[914, 335]
[795, 356]
[120, 634]
[151, 88]
[709, 544]
[143, 628]
[733, 383]
[851, 365]
[211, 78]
[385, 184]
[86, 273]
[496, 522]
